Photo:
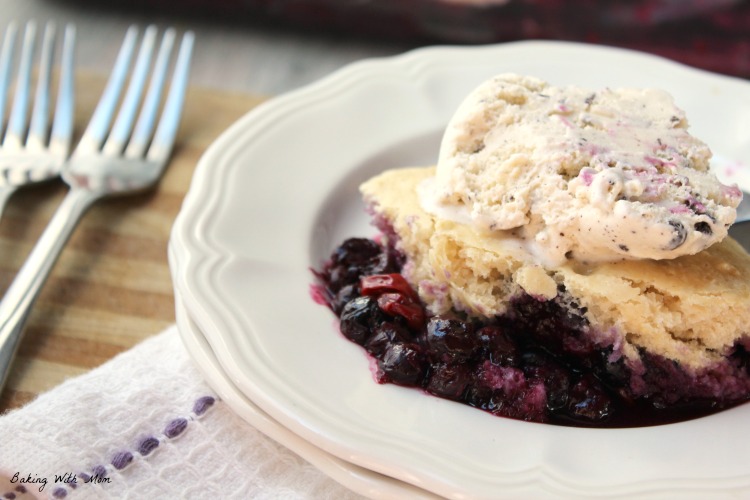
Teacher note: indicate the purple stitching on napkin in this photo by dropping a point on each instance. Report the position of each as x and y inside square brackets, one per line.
[10, 495]
[175, 427]
[203, 404]
[148, 445]
[124, 458]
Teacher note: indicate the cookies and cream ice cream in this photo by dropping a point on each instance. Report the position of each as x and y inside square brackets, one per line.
[579, 174]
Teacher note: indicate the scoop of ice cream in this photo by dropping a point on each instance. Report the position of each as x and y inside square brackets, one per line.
[579, 174]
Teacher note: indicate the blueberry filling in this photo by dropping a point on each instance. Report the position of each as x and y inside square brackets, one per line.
[537, 363]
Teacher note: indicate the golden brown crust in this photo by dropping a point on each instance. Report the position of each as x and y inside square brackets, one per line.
[691, 309]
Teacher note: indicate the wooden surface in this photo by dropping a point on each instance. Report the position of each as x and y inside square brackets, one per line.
[111, 286]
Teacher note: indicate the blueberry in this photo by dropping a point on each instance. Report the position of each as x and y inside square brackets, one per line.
[345, 295]
[555, 377]
[449, 380]
[385, 334]
[383, 263]
[556, 380]
[500, 347]
[613, 372]
[356, 251]
[528, 404]
[588, 401]
[358, 317]
[534, 359]
[341, 276]
[353, 258]
[481, 397]
[451, 338]
[402, 364]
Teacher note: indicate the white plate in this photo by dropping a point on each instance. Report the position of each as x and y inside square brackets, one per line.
[277, 191]
[362, 481]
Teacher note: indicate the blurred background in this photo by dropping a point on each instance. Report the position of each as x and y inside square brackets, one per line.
[272, 46]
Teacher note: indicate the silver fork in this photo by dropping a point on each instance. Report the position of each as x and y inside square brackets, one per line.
[126, 158]
[31, 152]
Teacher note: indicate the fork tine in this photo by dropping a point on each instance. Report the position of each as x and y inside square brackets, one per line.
[17, 121]
[124, 122]
[62, 126]
[98, 126]
[166, 130]
[147, 118]
[40, 114]
[6, 60]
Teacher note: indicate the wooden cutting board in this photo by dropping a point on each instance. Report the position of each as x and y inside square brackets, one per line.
[111, 287]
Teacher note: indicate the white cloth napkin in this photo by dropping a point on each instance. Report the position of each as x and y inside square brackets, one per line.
[146, 425]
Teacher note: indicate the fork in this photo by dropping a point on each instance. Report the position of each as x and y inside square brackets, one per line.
[129, 157]
[34, 152]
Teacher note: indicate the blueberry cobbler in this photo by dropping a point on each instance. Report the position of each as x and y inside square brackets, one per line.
[565, 262]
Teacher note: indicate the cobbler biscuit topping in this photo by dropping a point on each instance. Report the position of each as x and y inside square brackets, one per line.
[578, 174]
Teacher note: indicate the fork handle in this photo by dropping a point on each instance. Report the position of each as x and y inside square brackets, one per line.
[23, 292]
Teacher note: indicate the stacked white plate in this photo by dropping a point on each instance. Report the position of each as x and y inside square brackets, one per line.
[278, 191]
